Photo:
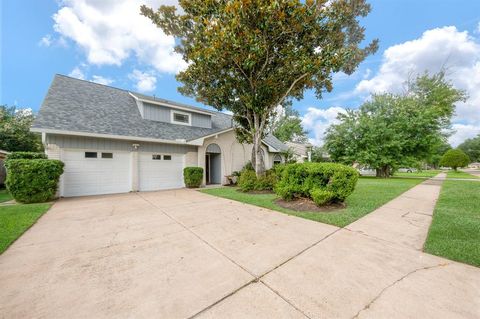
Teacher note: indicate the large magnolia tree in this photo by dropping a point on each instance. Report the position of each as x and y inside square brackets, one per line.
[249, 56]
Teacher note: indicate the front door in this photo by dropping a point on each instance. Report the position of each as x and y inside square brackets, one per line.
[207, 168]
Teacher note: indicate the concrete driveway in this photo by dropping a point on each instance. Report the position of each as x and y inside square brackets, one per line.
[182, 254]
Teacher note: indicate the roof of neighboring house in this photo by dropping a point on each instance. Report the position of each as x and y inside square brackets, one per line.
[274, 142]
[299, 148]
[80, 106]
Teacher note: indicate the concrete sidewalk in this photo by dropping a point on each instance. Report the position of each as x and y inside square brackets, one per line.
[406, 219]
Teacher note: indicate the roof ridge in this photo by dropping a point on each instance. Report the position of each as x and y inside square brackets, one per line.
[150, 96]
[90, 82]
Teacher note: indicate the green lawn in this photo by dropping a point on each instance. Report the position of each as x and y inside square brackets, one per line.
[455, 229]
[4, 196]
[425, 173]
[460, 174]
[16, 219]
[369, 194]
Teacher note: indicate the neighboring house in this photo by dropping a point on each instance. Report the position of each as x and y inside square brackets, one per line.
[3, 171]
[474, 165]
[301, 152]
[114, 141]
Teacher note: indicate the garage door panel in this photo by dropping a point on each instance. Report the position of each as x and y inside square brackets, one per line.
[160, 174]
[94, 176]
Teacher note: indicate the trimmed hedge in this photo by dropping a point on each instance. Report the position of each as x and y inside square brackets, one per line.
[193, 176]
[33, 181]
[322, 182]
[248, 181]
[26, 155]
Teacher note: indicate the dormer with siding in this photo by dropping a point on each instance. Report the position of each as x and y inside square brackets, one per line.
[160, 110]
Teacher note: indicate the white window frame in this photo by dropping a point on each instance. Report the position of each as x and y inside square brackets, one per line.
[172, 117]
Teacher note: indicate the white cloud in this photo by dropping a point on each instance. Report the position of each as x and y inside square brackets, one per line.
[77, 73]
[367, 73]
[438, 48]
[318, 120]
[101, 80]
[463, 131]
[46, 41]
[145, 81]
[111, 31]
[80, 73]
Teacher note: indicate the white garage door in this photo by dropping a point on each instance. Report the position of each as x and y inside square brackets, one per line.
[95, 172]
[160, 171]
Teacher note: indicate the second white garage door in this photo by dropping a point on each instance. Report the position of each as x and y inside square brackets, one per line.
[160, 171]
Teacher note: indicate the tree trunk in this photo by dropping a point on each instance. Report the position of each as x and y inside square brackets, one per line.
[257, 156]
[383, 172]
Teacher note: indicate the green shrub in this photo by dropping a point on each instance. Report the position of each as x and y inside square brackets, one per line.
[33, 181]
[266, 182]
[322, 182]
[247, 180]
[321, 196]
[454, 158]
[193, 176]
[26, 155]
[247, 167]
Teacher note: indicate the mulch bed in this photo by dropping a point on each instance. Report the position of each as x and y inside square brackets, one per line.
[307, 205]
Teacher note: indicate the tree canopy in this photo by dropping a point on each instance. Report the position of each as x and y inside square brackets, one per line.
[287, 126]
[437, 152]
[454, 158]
[250, 56]
[394, 130]
[15, 132]
[471, 147]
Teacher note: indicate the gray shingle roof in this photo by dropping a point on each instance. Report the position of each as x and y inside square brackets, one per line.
[275, 143]
[83, 106]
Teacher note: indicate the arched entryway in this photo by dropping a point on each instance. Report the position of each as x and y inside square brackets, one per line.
[277, 159]
[213, 164]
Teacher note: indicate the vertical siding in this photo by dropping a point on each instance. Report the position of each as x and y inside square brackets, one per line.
[201, 120]
[91, 143]
[156, 113]
[162, 114]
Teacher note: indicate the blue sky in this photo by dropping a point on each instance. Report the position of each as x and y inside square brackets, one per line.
[108, 42]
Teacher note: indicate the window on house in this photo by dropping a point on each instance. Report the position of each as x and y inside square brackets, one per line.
[90, 154]
[156, 157]
[167, 157]
[181, 118]
[107, 155]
